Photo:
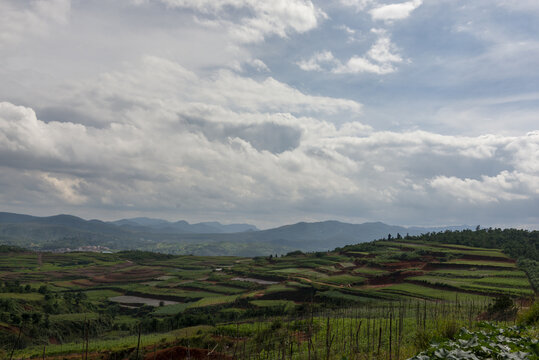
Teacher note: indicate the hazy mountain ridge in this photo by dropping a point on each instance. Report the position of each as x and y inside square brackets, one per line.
[181, 226]
[62, 231]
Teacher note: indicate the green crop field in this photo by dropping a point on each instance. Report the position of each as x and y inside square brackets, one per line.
[520, 282]
[344, 279]
[312, 274]
[414, 290]
[479, 273]
[171, 309]
[285, 304]
[209, 301]
[479, 263]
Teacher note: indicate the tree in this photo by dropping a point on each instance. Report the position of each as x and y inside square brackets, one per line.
[36, 318]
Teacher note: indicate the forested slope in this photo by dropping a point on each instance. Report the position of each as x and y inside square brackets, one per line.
[514, 242]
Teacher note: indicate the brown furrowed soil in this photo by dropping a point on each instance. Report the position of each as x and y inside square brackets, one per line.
[394, 278]
[182, 352]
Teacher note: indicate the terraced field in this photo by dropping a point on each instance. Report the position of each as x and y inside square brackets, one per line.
[81, 290]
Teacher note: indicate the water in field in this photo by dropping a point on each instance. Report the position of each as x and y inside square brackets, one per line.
[258, 281]
[132, 300]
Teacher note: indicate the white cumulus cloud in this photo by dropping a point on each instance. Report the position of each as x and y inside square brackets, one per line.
[315, 62]
[359, 5]
[251, 20]
[379, 59]
[392, 12]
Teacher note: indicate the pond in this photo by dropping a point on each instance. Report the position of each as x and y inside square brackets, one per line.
[132, 300]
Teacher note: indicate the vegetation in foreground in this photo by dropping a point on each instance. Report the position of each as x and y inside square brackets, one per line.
[486, 342]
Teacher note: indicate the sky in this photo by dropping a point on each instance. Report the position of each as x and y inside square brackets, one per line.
[420, 112]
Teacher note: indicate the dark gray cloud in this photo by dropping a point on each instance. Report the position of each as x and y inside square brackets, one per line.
[66, 115]
[270, 137]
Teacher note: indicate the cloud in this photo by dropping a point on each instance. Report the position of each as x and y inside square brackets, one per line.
[350, 32]
[30, 18]
[346, 29]
[67, 189]
[395, 11]
[526, 153]
[522, 5]
[379, 59]
[316, 61]
[156, 80]
[259, 65]
[471, 115]
[175, 142]
[251, 21]
[381, 51]
[359, 5]
[169, 109]
[384, 12]
[508, 186]
[358, 64]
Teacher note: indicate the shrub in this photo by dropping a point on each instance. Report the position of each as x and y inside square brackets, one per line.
[421, 339]
[502, 308]
[450, 329]
[530, 316]
[295, 253]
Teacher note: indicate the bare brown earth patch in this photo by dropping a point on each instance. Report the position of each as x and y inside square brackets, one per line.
[404, 265]
[182, 352]
[437, 266]
[9, 328]
[488, 258]
[128, 275]
[393, 278]
[83, 282]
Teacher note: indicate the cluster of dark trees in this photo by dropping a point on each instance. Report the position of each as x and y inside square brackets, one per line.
[531, 267]
[514, 242]
[11, 248]
[518, 244]
[14, 286]
[212, 315]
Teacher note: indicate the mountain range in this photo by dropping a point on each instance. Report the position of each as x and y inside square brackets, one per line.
[205, 238]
